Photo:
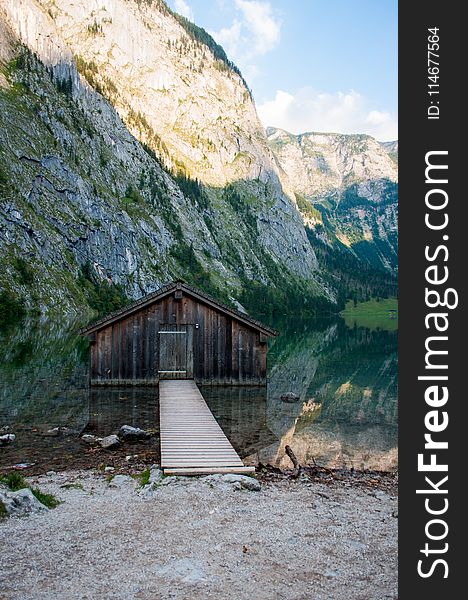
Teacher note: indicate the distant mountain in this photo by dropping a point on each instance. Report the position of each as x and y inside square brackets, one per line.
[391, 147]
[346, 190]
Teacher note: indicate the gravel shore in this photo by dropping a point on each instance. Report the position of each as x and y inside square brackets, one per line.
[200, 538]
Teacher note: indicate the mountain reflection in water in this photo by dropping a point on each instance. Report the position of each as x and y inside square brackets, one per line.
[346, 380]
[346, 415]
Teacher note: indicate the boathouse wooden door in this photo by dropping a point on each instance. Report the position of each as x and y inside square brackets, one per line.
[175, 351]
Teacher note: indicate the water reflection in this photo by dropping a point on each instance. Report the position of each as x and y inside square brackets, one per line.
[43, 375]
[346, 414]
[346, 381]
[110, 408]
[242, 413]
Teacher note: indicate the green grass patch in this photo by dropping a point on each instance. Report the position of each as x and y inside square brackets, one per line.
[308, 209]
[133, 195]
[145, 477]
[72, 486]
[103, 296]
[48, 500]
[192, 189]
[372, 307]
[25, 273]
[18, 63]
[14, 481]
[4, 178]
[374, 314]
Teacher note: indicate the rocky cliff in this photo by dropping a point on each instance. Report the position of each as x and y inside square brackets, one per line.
[131, 152]
[346, 190]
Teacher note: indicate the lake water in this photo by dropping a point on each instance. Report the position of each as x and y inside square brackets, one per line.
[346, 380]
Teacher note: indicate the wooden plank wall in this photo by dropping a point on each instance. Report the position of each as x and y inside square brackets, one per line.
[225, 351]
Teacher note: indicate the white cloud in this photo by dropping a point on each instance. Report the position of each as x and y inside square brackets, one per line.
[229, 37]
[339, 112]
[183, 9]
[262, 25]
[375, 117]
[255, 31]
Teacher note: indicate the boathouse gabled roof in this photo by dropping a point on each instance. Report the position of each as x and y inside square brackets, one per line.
[166, 291]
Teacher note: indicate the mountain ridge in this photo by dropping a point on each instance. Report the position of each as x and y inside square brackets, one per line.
[135, 223]
[346, 189]
[131, 156]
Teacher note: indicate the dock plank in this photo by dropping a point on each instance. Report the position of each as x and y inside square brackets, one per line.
[192, 442]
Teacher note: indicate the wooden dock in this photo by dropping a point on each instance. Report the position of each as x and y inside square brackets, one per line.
[192, 442]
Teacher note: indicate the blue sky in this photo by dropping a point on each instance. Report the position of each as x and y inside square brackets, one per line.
[313, 65]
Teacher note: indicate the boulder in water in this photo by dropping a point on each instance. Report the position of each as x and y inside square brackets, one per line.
[290, 397]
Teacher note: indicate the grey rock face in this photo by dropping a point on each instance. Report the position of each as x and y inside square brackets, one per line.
[92, 440]
[318, 163]
[183, 570]
[147, 492]
[233, 481]
[129, 433]
[156, 474]
[120, 481]
[57, 431]
[85, 184]
[21, 502]
[110, 442]
[155, 480]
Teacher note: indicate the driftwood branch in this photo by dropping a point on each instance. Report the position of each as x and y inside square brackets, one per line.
[317, 467]
[295, 462]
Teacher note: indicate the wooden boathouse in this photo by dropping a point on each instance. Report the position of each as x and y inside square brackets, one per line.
[178, 332]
